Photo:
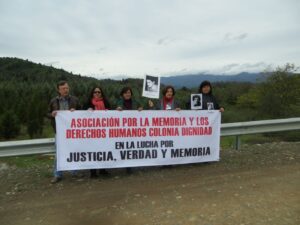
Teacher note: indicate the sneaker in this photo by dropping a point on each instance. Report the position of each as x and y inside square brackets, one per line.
[56, 180]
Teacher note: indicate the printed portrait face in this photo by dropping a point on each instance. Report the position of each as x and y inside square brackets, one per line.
[210, 106]
[151, 86]
[196, 101]
[150, 83]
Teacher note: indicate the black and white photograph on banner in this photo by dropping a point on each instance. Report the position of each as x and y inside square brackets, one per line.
[151, 86]
[196, 101]
[210, 106]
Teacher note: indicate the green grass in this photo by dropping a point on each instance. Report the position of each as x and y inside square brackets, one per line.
[229, 141]
[31, 161]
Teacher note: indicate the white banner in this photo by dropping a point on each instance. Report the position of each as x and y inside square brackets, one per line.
[113, 139]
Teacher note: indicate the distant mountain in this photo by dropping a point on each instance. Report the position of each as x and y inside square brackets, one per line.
[194, 80]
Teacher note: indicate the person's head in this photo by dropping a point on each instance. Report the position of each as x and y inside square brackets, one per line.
[205, 87]
[97, 92]
[150, 83]
[196, 98]
[126, 93]
[168, 91]
[63, 88]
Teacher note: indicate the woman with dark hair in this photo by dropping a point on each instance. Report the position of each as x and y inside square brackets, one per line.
[167, 102]
[97, 101]
[209, 101]
[126, 102]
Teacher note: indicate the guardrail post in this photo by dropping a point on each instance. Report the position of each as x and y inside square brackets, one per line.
[237, 142]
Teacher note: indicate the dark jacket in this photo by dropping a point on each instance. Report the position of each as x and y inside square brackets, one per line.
[135, 104]
[206, 98]
[160, 105]
[54, 106]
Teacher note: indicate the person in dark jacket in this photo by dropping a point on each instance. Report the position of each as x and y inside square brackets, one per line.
[64, 101]
[209, 101]
[97, 101]
[126, 102]
[167, 102]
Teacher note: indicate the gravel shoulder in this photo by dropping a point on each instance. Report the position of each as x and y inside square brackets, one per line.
[258, 185]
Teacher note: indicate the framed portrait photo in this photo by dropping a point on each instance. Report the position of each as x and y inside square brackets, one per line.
[196, 101]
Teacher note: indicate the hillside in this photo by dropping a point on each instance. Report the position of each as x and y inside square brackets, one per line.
[27, 71]
[19, 72]
[27, 87]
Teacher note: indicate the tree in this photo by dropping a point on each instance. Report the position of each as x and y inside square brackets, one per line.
[36, 114]
[279, 95]
[9, 125]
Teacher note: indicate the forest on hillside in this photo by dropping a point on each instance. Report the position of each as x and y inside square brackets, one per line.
[26, 89]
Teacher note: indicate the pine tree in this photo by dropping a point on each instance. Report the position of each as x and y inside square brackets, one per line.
[9, 125]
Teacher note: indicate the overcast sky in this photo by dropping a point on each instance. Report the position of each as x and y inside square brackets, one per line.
[108, 38]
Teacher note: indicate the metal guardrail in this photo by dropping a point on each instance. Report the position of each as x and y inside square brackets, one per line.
[27, 147]
[258, 127]
[42, 146]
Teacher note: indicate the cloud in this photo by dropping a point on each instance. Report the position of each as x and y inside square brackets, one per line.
[235, 68]
[135, 37]
[165, 41]
[235, 37]
[101, 50]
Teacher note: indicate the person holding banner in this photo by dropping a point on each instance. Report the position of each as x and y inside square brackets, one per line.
[64, 101]
[97, 101]
[209, 101]
[168, 102]
[126, 102]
